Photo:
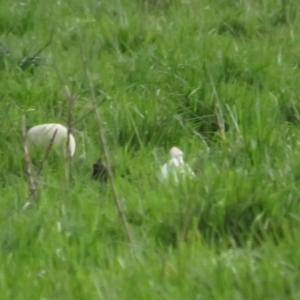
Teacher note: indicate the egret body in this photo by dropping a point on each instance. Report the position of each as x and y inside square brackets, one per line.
[41, 136]
[176, 168]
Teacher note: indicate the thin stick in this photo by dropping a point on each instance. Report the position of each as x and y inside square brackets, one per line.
[107, 159]
[45, 46]
[47, 152]
[186, 221]
[70, 108]
[72, 97]
[91, 111]
[217, 109]
[32, 190]
[27, 60]
[220, 119]
[70, 118]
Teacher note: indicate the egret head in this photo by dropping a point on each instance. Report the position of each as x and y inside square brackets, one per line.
[176, 152]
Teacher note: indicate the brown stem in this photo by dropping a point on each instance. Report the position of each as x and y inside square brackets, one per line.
[70, 118]
[32, 190]
[47, 152]
[107, 158]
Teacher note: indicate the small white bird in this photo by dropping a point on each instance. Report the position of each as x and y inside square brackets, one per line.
[176, 168]
[41, 135]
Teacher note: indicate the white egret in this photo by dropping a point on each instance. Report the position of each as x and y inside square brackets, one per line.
[176, 168]
[41, 136]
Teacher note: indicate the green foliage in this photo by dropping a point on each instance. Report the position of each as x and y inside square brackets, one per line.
[218, 79]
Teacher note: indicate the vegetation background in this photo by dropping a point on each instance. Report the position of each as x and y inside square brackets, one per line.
[217, 78]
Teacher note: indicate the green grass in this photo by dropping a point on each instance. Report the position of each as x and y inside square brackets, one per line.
[171, 73]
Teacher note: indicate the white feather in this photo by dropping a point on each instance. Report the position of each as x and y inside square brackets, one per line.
[41, 135]
[176, 168]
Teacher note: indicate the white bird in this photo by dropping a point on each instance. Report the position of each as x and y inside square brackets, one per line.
[41, 136]
[176, 168]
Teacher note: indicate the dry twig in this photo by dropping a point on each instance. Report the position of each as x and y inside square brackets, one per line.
[107, 158]
[219, 117]
[32, 190]
[47, 152]
[91, 111]
[70, 118]
[27, 61]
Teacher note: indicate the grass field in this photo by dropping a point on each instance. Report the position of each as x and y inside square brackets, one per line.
[220, 80]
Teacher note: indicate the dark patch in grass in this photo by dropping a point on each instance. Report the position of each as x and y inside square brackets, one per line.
[244, 221]
[71, 40]
[231, 72]
[8, 243]
[165, 234]
[100, 171]
[289, 108]
[111, 233]
[129, 138]
[128, 41]
[125, 40]
[240, 223]
[285, 15]
[193, 106]
[16, 24]
[5, 55]
[30, 63]
[135, 218]
[233, 27]
[27, 62]
[292, 114]
[202, 118]
[12, 242]
[297, 62]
